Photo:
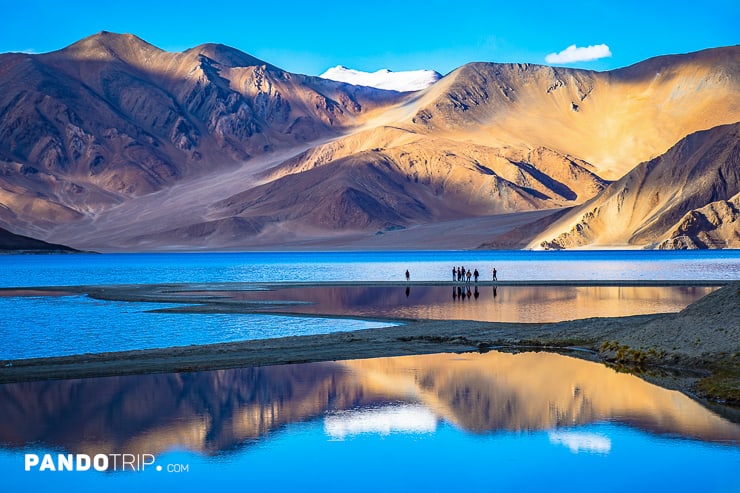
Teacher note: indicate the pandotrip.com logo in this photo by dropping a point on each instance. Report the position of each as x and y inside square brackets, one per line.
[98, 462]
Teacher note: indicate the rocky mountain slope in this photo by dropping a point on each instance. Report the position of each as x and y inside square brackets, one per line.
[682, 196]
[716, 225]
[114, 144]
[613, 120]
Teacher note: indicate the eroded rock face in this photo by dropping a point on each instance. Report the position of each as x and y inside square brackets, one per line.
[716, 225]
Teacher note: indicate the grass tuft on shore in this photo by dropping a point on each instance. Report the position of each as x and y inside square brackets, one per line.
[723, 385]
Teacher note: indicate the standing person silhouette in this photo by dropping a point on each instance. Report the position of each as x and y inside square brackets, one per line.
[475, 275]
[468, 276]
[408, 275]
[454, 273]
[494, 274]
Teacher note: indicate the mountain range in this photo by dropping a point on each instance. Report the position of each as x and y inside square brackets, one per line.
[112, 144]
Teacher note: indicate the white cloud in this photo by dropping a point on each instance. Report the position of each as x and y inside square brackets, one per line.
[574, 54]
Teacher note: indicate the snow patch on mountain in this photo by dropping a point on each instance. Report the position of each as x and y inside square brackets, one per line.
[412, 80]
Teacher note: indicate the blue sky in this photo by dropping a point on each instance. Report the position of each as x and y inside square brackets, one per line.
[311, 36]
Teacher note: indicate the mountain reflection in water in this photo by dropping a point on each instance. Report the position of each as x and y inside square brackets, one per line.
[216, 411]
[473, 302]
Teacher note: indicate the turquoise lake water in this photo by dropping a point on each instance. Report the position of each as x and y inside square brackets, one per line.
[73, 270]
[40, 326]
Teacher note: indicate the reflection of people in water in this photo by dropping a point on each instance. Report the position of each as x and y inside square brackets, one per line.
[408, 291]
[408, 275]
[476, 293]
[494, 274]
[454, 293]
[468, 292]
[459, 292]
[494, 292]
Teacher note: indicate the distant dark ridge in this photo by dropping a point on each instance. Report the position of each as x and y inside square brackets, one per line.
[13, 243]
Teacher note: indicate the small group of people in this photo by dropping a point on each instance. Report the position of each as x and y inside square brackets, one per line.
[459, 274]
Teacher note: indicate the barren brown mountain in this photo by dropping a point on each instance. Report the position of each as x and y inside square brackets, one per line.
[113, 144]
[613, 120]
[112, 117]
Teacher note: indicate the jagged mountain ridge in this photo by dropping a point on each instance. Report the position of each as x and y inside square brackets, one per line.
[212, 148]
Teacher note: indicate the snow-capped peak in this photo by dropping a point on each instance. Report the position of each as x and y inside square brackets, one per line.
[413, 80]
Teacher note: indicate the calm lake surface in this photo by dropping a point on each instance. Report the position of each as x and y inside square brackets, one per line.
[444, 422]
[74, 270]
[485, 303]
[34, 324]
